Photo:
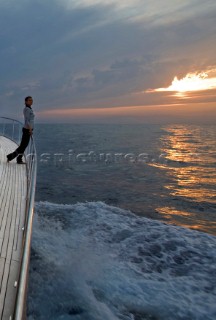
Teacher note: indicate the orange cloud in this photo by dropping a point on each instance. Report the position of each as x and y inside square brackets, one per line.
[191, 82]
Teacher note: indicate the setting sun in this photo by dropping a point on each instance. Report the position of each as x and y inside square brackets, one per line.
[191, 82]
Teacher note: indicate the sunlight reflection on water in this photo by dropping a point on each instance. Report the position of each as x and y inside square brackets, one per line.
[189, 162]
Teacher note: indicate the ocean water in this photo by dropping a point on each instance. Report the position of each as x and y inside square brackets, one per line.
[125, 223]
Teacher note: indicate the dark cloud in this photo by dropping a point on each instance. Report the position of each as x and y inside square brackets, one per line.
[88, 55]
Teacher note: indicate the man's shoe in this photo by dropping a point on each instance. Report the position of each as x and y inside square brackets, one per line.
[8, 159]
[21, 162]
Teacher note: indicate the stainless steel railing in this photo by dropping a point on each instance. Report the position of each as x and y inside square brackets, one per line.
[12, 129]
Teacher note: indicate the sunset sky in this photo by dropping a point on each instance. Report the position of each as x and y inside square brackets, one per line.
[109, 61]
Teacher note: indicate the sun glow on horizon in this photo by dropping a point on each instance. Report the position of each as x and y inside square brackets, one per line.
[191, 82]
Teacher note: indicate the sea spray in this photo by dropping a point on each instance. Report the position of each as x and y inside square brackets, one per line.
[94, 261]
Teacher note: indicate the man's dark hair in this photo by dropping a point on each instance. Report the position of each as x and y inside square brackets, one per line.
[29, 97]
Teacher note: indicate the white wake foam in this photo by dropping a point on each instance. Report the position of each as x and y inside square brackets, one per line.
[91, 261]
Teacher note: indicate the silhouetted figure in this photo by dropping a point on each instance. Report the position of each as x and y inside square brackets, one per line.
[27, 132]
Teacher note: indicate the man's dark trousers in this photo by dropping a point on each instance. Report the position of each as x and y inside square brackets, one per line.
[21, 149]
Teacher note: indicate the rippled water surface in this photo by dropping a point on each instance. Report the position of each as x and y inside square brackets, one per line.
[109, 238]
[175, 182]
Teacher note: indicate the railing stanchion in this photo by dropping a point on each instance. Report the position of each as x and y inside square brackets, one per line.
[13, 131]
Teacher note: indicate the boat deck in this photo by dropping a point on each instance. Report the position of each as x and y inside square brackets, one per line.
[13, 193]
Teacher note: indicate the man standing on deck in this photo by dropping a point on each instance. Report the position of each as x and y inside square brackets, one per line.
[27, 132]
